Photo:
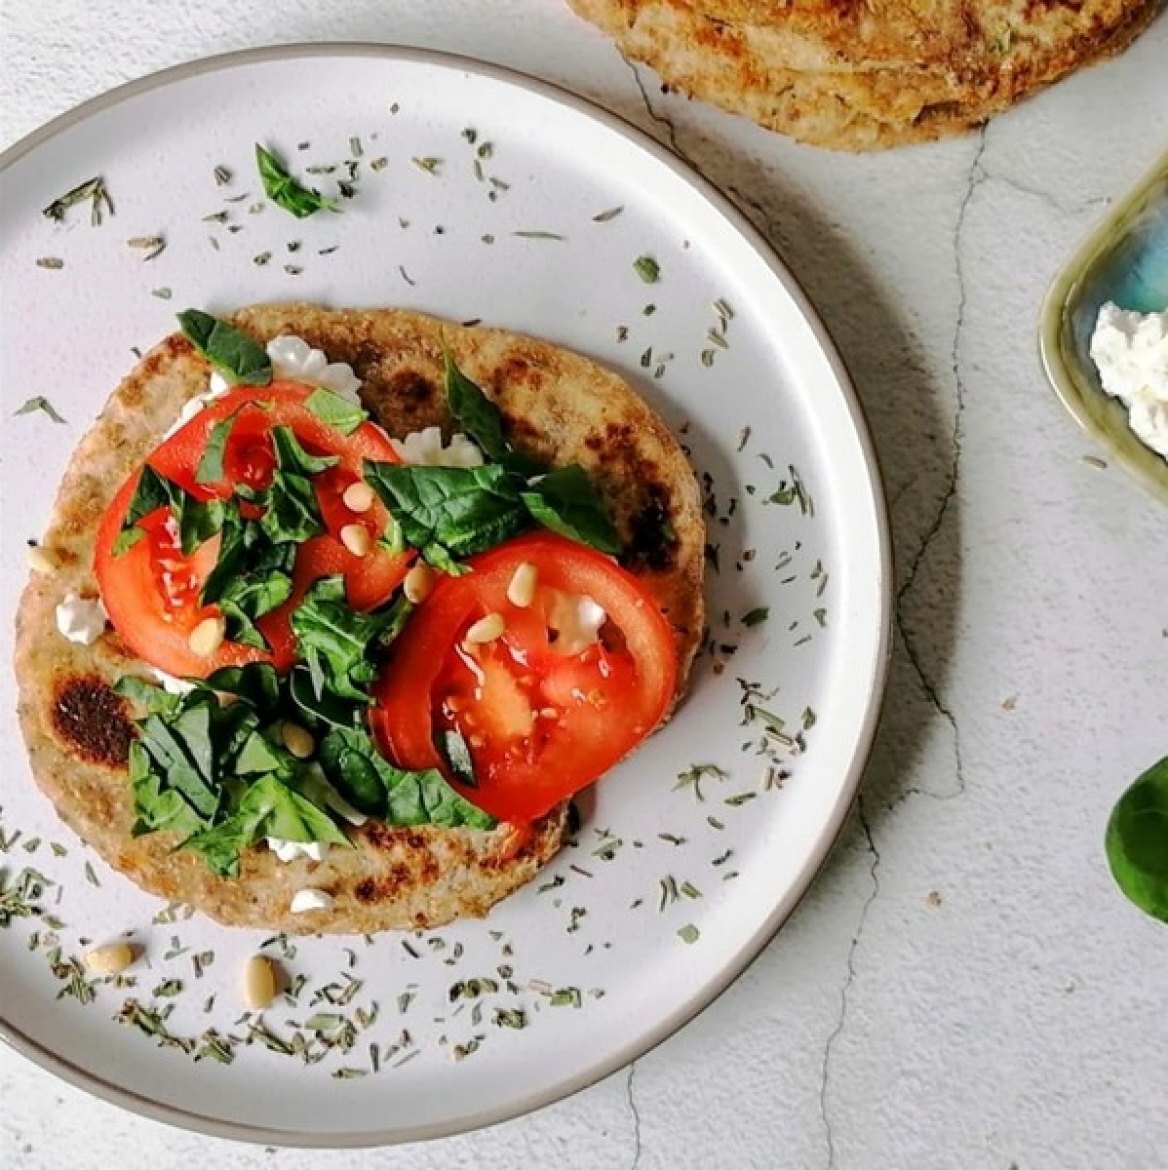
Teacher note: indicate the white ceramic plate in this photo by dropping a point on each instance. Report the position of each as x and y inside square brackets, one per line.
[672, 888]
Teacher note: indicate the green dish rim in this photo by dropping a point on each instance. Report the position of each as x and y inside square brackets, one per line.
[1104, 418]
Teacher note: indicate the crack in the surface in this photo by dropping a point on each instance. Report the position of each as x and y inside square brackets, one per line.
[1063, 207]
[636, 1114]
[837, 1031]
[662, 120]
[977, 176]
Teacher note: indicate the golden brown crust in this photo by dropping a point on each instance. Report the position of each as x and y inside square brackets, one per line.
[857, 75]
[559, 405]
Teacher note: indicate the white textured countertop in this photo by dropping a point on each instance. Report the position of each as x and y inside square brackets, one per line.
[964, 986]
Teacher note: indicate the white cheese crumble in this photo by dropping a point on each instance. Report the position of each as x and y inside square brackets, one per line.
[1130, 350]
[295, 360]
[291, 850]
[306, 900]
[575, 617]
[426, 448]
[170, 684]
[81, 619]
[217, 386]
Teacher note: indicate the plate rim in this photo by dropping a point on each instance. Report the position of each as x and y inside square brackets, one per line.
[617, 1059]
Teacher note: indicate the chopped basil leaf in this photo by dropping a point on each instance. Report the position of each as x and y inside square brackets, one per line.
[157, 807]
[285, 191]
[324, 708]
[565, 501]
[226, 348]
[269, 808]
[474, 412]
[198, 520]
[210, 468]
[291, 512]
[293, 457]
[151, 697]
[338, 412]
[457, 753]
[647, 269]
[756, 617]
[335, 641]
[449, 512]
[252, 576]
[372, 784]
[257, 682]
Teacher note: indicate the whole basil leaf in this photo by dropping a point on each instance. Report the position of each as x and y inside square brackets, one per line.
[338, 412]
[1137, 842]
[453, 510]
[226, 348]
[285, 191]
[365, 778]
[565, 501]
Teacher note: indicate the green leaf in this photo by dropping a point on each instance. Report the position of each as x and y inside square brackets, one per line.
[151, 492]
[756, 617]
[647, 269]
[336, 641]
[565, 501]
[41, 403]
[157, 807]
[365, 778]
[474, 412]
[257, 682]
[457, 754]
[1137, 842]
[251, 578]
[338, 412]
[152, 698]
[211, 464]
[285, 191]
[180, 747]
[324, 707]
[269, 808]
[226, 348]
[461, 510]
[291, 456]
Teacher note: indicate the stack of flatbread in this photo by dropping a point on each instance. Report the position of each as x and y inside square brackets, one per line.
[867, 74]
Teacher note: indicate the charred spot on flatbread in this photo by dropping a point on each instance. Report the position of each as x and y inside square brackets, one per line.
[92, 720]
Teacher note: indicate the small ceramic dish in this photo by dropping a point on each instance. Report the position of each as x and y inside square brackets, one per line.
[1125, 260]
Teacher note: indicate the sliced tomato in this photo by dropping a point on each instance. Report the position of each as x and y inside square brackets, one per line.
[151, 591]
[541, 719]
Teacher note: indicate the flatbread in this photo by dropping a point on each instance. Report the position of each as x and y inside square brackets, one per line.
[556, 404]
[856, 75]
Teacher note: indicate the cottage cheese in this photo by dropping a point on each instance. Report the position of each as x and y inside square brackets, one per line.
[295, 360]
[291, 850]
[305, 900]
[1130, 350]
[81, 619]
[426, 449]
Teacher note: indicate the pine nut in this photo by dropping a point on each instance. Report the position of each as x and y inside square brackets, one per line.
[356, 538]
[259, 982]
[207, 636]
[486, 629]
[40, 561]
[418, 583]
[521, 590]
[298, 740]
[358, 497]
[112, 959]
